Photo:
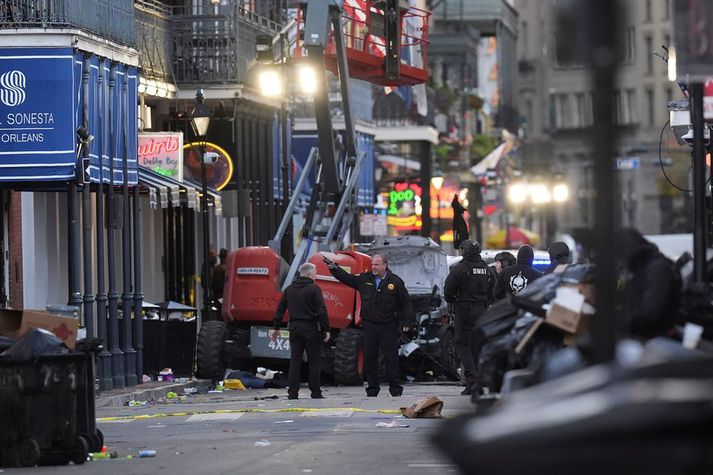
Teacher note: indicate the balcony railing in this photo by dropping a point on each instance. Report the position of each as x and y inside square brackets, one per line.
[111, 19]
[214, 46]
[154, 41]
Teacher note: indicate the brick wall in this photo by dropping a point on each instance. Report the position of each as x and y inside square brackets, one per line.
[14, 227]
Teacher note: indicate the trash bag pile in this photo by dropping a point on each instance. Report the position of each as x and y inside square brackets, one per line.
[518, 331]
[649, 410]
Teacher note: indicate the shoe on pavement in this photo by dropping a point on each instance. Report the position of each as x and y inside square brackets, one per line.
[370, 392]
[467, 391]
[396, 392]
[292, 396]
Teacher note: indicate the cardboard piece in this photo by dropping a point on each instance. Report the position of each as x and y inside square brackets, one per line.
[566, 310]
[428, 407]
[528, 336]
[15, 323]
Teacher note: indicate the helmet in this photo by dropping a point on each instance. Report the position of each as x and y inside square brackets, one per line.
[471, 247]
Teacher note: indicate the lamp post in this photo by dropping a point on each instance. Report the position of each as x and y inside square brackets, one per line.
[200, 121]
[437, 182]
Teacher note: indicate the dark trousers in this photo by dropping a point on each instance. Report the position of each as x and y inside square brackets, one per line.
[304, 336]
[384, 336]
[468, 341]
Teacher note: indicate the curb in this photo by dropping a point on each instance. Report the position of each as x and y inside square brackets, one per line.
[121, 400]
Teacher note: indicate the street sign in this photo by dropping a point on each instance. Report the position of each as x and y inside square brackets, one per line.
[366, 224]
[693, 38]
[628, 163]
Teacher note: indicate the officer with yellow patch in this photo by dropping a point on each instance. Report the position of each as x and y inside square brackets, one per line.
[385, 307]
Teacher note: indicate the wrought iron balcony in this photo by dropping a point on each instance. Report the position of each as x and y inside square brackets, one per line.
[215, 45]
[154, 40]
[111, 19]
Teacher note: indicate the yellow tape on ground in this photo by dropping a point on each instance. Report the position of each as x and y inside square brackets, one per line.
[233, 411]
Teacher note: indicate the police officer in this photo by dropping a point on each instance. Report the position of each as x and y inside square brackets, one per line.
[385, 306]
[516, 278]
[469, 286]
[309, 326]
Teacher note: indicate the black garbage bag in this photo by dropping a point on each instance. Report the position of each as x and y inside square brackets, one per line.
[6, 342]
[498, 318]
[498, 355]
[34, 343]
[542, 290]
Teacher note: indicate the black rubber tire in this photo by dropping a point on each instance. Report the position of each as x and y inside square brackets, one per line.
[28, 453]
[448, 357]
[349, 358]
[236, 350]
[80, 451]
[209, 351]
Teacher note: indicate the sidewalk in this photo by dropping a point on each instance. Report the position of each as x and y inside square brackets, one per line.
[147, 391]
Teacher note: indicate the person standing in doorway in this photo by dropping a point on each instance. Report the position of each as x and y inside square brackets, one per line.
[308, 325]
[385, 306]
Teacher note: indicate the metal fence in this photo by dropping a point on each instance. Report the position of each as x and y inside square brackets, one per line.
[112, 19]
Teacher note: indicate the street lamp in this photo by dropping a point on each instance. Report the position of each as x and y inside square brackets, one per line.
[437, 182]
[200, 121]
[540, 194]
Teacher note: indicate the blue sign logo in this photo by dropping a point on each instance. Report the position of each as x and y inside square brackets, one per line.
[37, 127]
[13, 88]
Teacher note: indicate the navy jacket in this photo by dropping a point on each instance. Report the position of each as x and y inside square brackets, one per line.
[389, 302]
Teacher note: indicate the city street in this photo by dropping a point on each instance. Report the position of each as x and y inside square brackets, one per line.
[232, 432]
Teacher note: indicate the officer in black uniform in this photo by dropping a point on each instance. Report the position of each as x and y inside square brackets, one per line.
[309, 326]
[469, 286]
[515, 279]
[385, 307]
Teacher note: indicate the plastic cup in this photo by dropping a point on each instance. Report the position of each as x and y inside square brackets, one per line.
[692, 335]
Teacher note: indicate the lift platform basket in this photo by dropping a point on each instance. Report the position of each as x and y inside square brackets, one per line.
[368, 44]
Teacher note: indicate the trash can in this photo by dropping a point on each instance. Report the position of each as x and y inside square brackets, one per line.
[47, 414]
[171, 342]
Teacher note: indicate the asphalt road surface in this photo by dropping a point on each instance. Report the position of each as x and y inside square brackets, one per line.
[233, 433]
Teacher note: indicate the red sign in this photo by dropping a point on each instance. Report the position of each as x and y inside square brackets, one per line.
[162, 153]
[708, 99]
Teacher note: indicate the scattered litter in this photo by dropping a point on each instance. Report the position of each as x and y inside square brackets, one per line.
[427, 407]
[307, 470]
[179, 453]
[166, 375]
[146, 379]
[147, 453]
[171, 395]
[393, 423]
[271, 396]
[233, 384]
[129, 457]
[284, 422]
[263, 443]
[134, 403]
[190, 390]
[114, 455]
[181, 380]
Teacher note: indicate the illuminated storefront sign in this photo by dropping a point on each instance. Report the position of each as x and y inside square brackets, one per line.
[162, 153]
